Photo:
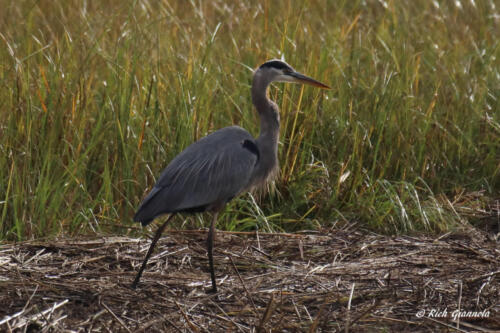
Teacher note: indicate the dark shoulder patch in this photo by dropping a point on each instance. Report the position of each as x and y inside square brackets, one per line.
[252, 147]
[275, 64]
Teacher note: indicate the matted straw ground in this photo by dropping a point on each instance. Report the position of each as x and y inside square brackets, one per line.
[336, 281]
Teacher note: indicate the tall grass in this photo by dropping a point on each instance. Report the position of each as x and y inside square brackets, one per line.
[97, 96]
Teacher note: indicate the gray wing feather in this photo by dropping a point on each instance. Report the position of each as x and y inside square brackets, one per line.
[212, 170]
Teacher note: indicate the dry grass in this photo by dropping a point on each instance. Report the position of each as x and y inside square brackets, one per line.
[329, 282]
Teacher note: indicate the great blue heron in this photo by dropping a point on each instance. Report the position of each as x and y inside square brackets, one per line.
[217, 168]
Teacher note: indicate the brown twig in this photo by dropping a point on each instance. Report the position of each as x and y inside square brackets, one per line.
[186, 318]
[243, 283]
[122, 324]
[267, 314]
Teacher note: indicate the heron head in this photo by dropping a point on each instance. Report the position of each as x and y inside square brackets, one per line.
[280, 71]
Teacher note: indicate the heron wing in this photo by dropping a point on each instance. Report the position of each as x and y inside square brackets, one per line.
[209, 172]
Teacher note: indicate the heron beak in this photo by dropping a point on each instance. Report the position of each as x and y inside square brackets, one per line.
[301, 78]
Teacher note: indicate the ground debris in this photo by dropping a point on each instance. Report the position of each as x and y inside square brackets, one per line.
[329, 282]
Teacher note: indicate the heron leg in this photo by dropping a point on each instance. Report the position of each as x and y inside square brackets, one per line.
[210, 245]
[150, 251]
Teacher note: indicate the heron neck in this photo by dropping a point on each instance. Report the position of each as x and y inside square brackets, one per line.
[267, 142]
[267, 109]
